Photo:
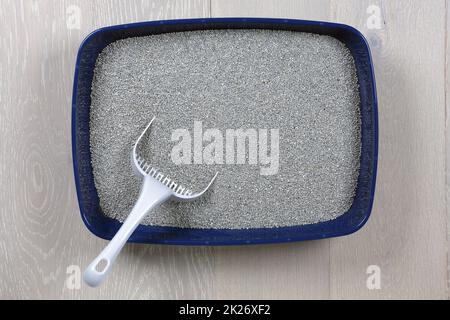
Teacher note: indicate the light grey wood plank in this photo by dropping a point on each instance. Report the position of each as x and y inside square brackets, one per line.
[302, 9]
[282, 271]
[447, 137]
[41, 232]
[406, 235]
[286, 271]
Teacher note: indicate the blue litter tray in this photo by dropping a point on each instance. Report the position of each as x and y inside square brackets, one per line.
[105, 227]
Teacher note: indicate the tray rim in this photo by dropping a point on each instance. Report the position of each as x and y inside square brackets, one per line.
[183, 236]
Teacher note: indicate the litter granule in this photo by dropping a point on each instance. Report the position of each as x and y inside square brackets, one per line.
[298, 87]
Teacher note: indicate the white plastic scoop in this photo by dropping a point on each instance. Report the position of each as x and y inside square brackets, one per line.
[156, 189]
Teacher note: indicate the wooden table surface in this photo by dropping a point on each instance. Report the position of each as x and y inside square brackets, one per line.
[43, 242]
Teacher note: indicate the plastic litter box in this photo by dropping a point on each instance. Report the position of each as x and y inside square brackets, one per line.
[105, 227]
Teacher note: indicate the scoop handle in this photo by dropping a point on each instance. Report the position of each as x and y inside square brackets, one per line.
[152, 194]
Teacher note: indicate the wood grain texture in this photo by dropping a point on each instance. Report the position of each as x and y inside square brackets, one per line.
[447, 135]
[41, 233]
